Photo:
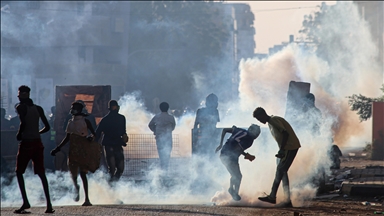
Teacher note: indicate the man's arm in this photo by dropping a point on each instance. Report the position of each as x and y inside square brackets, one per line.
[225, 130]
[124, 125]
[197, 119]
[67, 118]
[152, 125]
[173, 123]
[125, 135]
[89, 126]
[99, 130]
[281, 153]
[22, 111]
[92, 119]
[63, 142]
[47, 127]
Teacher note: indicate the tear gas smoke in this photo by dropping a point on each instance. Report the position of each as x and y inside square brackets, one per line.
[262, 83]
[265, 83]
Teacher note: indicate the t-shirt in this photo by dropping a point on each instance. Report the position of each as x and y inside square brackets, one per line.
[162, 124]
[277, 125]
[113, 127]
[237, 143]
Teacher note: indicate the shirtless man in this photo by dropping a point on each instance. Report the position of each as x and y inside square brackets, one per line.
[30, 147]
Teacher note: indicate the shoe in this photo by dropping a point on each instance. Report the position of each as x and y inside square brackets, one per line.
[268, 199]
[234, 195]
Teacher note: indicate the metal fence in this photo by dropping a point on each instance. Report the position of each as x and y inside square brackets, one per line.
[141, 154]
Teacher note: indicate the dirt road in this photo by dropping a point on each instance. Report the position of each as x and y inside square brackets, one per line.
[328, 204]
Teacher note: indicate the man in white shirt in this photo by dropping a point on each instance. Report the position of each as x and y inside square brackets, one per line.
[162, 126]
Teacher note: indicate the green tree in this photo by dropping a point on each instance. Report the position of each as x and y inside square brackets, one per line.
[363, 104]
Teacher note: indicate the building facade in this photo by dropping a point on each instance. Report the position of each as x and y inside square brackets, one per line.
[243, 43]
[44, 44]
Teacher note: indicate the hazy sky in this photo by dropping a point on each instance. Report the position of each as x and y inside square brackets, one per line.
[273, 26]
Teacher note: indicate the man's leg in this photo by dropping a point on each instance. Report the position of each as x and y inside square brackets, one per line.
[164, 148]
[286, 189]
[44, 181]
[22, 160]
[38, 166]
[83, 176]
[74, 171]
[20, 180]
[167, 157]
[110, 161]
[233, 168]
[281, 170]
[119, 155]
[160, 151]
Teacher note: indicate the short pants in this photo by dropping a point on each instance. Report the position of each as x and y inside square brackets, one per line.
[30, 150]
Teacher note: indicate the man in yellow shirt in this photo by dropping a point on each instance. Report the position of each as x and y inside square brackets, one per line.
[289, 144]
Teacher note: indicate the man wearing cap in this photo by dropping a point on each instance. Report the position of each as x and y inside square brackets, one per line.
[289, 144]
[30, 147]
[238, 142]
[113, 126]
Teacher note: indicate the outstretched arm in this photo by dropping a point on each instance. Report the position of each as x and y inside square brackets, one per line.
[225, 130]
[63, 142]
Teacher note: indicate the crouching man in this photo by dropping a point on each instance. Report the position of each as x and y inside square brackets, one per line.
[238, 142]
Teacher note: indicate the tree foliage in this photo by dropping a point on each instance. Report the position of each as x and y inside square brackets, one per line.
[363, 104]
[323, 38]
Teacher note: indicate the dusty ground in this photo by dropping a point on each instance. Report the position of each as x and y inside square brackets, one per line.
[321, 206]
[317, 207]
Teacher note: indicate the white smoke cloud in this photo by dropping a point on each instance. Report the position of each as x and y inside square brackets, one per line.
[265, 83]
[262, 83]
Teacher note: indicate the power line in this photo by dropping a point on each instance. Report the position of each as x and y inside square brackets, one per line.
[279, 9]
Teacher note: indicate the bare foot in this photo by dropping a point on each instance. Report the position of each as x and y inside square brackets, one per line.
[49, 210]
[21, 210]
[77, 195]
[87, 203]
